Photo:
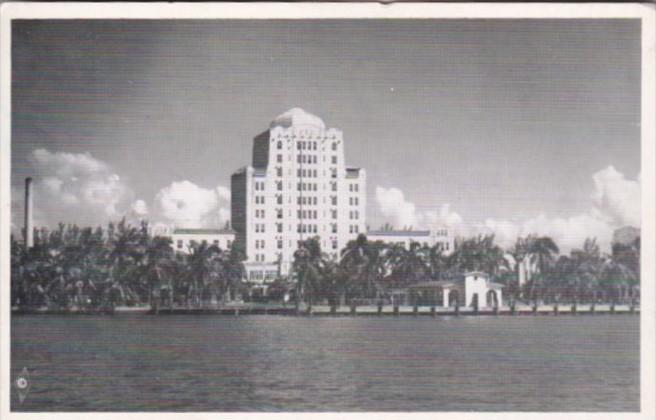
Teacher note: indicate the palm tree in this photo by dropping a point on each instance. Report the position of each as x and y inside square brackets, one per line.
[408, 265]
[204, 267]
[544, 250]
[308, 261]
[437, 262]
[366, 263]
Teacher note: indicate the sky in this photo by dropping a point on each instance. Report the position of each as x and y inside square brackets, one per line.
[508, 127]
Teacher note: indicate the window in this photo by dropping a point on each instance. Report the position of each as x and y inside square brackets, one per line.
[279, 243]
[334, 244]
[351, 187]
[279, 159]
[279, 171]
[334, 214]
[279, 145]
[333, 186]
[333, 173]
[279, 227]
[334, 160]
[279, 199]
[334, 145]
[279, 185]
[216, 242]
[279, 213]
[333, 200]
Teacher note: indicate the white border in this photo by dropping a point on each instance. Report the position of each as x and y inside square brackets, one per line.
[346, 10]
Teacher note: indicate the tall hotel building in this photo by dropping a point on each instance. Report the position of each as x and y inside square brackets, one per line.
[297, 187]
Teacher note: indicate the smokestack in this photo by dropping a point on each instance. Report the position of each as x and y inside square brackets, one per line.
[29, 228]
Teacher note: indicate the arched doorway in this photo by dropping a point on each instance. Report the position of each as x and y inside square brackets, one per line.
[454, 298]
[474, 301]
[491, 299]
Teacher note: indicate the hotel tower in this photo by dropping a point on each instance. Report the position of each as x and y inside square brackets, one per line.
[297, 187]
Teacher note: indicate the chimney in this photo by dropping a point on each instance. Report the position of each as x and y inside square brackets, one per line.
[29, 228]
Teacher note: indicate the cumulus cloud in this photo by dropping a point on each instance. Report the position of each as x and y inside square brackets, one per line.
[185, 204]
[140, 208]
[404, 214]
[74, 188]
[393, 205]
[615, 202]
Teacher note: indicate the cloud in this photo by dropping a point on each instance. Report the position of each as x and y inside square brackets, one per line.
[185, 204]
[140, 208]
[614, 203]
[393, 205]
[617, 197]
[74, 188]
[403, 213]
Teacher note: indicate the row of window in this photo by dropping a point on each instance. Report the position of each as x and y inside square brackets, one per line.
[354, 229]
[354, 187]
[259, 185]
[259, 199]
[306, 173]
[259, 227]
[303, 228]
[307, 214]
[354, 215]
[259, 213]
[306, 145]
[306, 200]
[309, 159]
[180, 243]
[259, 244]
[306, 186]
[353, 201]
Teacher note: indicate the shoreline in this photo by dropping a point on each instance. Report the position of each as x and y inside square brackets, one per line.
[364, 310]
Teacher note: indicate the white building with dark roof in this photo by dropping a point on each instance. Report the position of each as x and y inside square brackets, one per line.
[297, 187]
[184, 239]
[442, 237]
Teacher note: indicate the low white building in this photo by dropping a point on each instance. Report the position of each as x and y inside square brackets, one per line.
[184, 238]
[440, 237]
[468, 290]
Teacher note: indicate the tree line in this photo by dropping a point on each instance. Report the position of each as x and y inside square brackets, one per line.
[73, 267]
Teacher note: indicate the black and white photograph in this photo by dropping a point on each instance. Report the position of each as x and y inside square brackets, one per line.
[341, 208]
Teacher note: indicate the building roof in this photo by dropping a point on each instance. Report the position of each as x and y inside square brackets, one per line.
[352, 173]
[431, 284]
[297, 117]
[187, 231]
[398, 233]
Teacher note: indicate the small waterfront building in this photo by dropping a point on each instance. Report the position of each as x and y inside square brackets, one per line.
[441, 237]
[183, 239]
[469, 290]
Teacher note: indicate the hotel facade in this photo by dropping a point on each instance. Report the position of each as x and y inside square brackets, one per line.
[297, 187]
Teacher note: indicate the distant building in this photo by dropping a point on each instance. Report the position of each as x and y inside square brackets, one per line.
[441, 237]
[184, 239]
[297, 187]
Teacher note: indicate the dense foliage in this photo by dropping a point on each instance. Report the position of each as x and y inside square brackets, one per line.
[73, 267]
[120, 265]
